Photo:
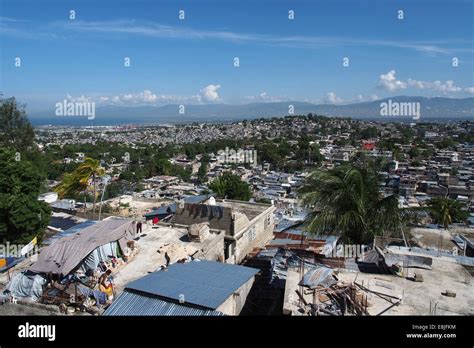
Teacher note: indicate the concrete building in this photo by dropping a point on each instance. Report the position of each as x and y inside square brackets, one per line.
[246, 225]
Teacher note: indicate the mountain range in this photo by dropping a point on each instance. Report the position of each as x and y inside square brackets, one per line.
[432, 109]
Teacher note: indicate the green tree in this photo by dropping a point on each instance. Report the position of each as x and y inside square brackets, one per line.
[22, 216]
[346, 201]
[78, 180]
[90, 169]
[230, 186]
[445, 211]
[15, 129]
[202, 172]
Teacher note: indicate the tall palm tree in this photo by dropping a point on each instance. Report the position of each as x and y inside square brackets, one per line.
[78, 181]
[346, 201]
[90, 169]
[70, 186]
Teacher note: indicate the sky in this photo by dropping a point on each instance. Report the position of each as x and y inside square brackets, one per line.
[48, 55]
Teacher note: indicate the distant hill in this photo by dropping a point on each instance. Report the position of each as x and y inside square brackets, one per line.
[431, 109]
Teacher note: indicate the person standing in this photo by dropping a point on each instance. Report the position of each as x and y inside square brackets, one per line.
[167, 257]
[139, 227]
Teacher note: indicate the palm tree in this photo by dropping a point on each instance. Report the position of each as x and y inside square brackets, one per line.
[87, 170]
[445, 211]
[346, 201]
[70, 186]
[78, 180]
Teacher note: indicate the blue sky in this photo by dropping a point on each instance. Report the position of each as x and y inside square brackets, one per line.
[191, 60]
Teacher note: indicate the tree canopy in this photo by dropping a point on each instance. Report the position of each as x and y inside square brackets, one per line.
[22, 216]
[15, 129]
[230, 186]
[346, 201]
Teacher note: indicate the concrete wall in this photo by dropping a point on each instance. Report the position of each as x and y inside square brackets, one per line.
[212, 247]
[235, 302]
[184, 216]
[257, 234]
[244, 234]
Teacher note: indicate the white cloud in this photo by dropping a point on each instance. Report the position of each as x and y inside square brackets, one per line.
[444, 87]
[209, 93]
[469, 90]
[81, 99]
[390, 82]
[361, 98]
[266, 98]
[147, 97]
[332, 98]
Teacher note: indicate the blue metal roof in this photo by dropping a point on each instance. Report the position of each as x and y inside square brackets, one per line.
[129, 303]
[69, 231]
[200, 282]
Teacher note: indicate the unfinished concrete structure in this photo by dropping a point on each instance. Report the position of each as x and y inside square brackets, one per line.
[155, 242]
[246, 225]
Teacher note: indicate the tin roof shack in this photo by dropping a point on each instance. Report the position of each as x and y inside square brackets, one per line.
[198, 287]
[246, 225]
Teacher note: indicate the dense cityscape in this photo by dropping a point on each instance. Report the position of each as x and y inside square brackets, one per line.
[250, 193]
[302, 172]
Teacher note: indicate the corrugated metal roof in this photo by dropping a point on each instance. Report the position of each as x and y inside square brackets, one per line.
[320, 275]
[69, 231]
[284, 241]
[203, 283]
[129, 303]
[285, 224]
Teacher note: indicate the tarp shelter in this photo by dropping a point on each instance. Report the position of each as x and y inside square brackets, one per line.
[27, 285]
[86, 248]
